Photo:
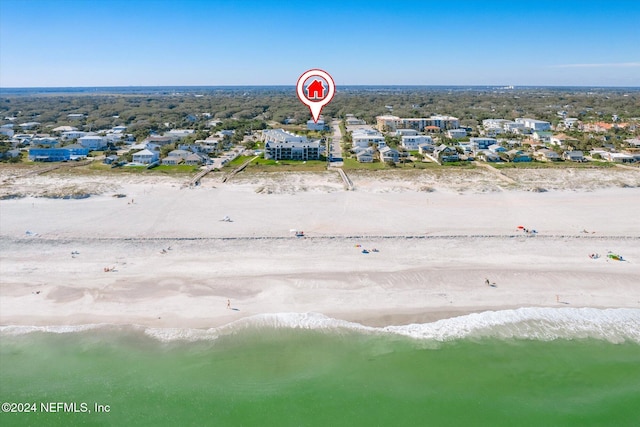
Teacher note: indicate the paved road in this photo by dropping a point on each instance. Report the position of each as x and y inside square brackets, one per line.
[335, 148]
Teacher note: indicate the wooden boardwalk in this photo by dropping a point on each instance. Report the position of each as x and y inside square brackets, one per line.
[347, 181]
[238, 169]
[195, 181]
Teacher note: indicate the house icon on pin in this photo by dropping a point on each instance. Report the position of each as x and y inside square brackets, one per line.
[315, 90]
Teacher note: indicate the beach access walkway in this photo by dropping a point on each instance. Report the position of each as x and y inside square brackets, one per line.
[347, 181]
[496, 172]
[238, 169]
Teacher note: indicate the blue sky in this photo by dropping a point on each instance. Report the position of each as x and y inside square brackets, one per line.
[209, 42]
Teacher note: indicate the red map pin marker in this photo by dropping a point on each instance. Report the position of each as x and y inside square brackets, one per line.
[315, 89]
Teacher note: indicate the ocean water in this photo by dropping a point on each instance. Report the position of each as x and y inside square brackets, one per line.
[526, 367]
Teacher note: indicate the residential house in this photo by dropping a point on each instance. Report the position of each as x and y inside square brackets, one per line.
[145, 157]
[364, 155]
[112, 138]
[213, 123]
[179, 153]
[548, 155]
[175, 157]
[318, 126]
[634, 142]
[457, 133]
[172, 160]
[542, 136]
[210, 145]
[466, 147]
[412, 143]
[44, 141]
[574, 156]
[61, 129]
[158, 140]
[29, 125]
[636, 156]
[444, 153]
[426, 149]
[563, 140]
[72, 134]
[389, 154]
[195, 159]
[351, 120]
[517, 156]
[22, 138]
[367, 138]
[512, 127]
[493, 127]
[570, 122]
[109, 160]
[11, 154]
[49, 154]
[92, 142]
[75, 116]
[7, 130]
[482, 143]
[489, 156]
[70, 152]
[617, 157]
[603, 127]
[178, 134]
[406, 132]
[497, 148]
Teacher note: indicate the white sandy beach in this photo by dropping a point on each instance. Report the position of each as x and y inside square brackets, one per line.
[438, 236]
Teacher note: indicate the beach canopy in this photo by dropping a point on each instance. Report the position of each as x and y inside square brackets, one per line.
[520, 227]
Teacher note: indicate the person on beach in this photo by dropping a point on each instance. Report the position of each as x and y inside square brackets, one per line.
[228, 304]
[486, 282]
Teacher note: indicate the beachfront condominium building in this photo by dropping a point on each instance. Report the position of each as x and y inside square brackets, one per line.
[391, 123]
[282, 145]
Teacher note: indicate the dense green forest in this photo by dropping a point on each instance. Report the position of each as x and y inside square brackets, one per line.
[194, 109]
[207, 110]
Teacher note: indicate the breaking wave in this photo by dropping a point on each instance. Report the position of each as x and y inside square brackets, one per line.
[545, 324]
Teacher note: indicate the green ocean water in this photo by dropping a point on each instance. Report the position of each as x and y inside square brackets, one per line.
[293, 377]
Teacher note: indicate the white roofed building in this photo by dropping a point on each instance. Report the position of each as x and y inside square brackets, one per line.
[282, 145]
[534, 124]
[412, 143]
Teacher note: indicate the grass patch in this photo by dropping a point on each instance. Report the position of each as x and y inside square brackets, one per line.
[100, 168]
[353, 164]
[553, 165]
[269, 165]
[462, 164]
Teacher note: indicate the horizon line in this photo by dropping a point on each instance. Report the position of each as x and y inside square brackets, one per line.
[293, 86]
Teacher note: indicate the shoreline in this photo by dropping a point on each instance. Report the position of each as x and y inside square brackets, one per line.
[407, 281]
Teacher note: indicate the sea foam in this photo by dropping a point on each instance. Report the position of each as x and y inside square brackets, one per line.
[615, 325]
